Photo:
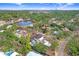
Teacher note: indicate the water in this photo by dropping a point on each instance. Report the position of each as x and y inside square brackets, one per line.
[25, 23]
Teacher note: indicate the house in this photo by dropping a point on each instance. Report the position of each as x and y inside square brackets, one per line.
[36, 38]
[2, 23]
[2, 30]
[2, 54]
[39, 38]
[33, 53]
[72, 20]
[9, 26]
[21, 32]
[11, 53]
[15, 54]
[10, 22]
[56, 32]
[28, 19]
[20, 19]
[47, 43]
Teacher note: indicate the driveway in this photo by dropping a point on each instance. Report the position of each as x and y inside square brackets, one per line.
[62, 44]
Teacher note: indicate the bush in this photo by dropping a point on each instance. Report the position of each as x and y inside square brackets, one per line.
[28, 46]
[54, 45]
[73, 47]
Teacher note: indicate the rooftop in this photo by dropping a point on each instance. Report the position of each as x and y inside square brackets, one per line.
[32, 53]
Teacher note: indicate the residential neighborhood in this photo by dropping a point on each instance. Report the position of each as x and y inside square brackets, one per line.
[39, 32]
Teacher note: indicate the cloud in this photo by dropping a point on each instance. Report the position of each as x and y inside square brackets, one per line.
[19, 4]
[42, 8]
[64, 6]
[46, 6]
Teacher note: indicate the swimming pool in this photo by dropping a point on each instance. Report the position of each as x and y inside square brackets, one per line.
[25, 23]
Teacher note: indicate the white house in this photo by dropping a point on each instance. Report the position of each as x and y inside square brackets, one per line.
[9, 26]
[2, 54]
[2, 30]
[18, 35]
[33, 53]
[39, 38]
[14, 54]
[21, 32]
[47, 43]
[55, 32]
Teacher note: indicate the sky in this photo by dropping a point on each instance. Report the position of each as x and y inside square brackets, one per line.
[39, 6]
